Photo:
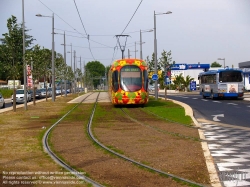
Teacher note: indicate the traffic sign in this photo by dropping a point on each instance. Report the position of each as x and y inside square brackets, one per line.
[167, 80]
[193, 85]
[154, 77]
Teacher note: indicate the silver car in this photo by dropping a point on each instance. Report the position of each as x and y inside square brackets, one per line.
[43, 92]
[2, 102]
[20, 96]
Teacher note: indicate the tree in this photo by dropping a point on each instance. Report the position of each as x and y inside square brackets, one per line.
[96, 70]
[179, 79]
[165, 63]
[11, 51]
[40, 60]
[186, 82]
[215, 64]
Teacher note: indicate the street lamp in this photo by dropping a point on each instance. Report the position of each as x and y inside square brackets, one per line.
[24, 62]
[155, 51]
[53, 58]
[151, 30]
[71, 54]
[224, 61]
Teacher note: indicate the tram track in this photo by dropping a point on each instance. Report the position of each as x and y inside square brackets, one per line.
[59, 161]
[93, 138]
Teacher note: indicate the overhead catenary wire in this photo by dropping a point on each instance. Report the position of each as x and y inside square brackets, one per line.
[87, 36]
[132, 17]
[84, 36]
[84, 28]
[121, 35]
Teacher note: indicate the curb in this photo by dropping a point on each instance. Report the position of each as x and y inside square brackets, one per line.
[214, 178]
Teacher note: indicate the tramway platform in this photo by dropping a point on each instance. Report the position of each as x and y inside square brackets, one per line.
[91, 98]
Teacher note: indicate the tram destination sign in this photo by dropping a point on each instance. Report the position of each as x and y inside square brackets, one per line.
[128, 69]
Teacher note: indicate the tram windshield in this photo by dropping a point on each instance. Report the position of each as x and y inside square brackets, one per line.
[131, 78]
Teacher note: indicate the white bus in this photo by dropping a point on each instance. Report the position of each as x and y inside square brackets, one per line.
[221, 83]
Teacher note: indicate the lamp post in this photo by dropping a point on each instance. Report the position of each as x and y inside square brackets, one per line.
[74, 91]
[53, 58]
[224, 61]
[155, 51]
[64, 47]
[142, 42]
[71, 53]
[24, 62]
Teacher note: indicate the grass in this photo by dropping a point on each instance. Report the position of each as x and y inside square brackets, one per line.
[168, 110]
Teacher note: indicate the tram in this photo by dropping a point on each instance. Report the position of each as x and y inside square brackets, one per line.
[128, 82]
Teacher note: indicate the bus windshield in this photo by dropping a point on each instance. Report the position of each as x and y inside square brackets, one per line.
[230, 76]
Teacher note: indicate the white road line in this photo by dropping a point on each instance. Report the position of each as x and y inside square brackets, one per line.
[204, 100]
[194, 98]
[217, 101]
[232, 104]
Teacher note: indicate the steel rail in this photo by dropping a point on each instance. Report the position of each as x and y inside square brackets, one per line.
[57, 159]
[128, 159]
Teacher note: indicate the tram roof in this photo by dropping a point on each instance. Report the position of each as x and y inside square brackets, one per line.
[129, 61]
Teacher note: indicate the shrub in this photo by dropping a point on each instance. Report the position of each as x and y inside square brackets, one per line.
[6, 92]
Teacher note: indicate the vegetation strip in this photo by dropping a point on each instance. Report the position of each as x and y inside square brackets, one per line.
[160, 130]
[177, 178]
[58, 160]
[172, 121]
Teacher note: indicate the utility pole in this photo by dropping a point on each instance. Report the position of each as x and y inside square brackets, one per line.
[81, 71]
[24, 62]
[135, 49]
[65, 85]
[74, 72]
[128, 53]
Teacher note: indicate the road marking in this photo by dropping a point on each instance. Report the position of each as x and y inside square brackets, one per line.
[217, 101]
[194, 98]
[232, 104]
[215, 118]
[204, 100]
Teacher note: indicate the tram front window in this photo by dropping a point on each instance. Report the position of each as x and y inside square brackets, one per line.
[131, 79]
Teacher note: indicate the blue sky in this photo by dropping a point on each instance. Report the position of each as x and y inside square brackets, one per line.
[196, 31]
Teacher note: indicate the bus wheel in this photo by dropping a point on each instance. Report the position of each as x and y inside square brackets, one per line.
[203, 95]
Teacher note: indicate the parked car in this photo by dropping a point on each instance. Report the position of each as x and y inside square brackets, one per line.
[58, 91]
[2, 102]
[49, 92]
[43, 92]
[38, 94]
[20, 96]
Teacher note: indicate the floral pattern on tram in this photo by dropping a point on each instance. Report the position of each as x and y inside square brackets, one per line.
[124, 97]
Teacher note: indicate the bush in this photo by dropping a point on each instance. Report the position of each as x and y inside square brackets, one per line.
[6, 93]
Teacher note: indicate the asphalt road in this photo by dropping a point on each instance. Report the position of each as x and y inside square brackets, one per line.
[228, 111]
